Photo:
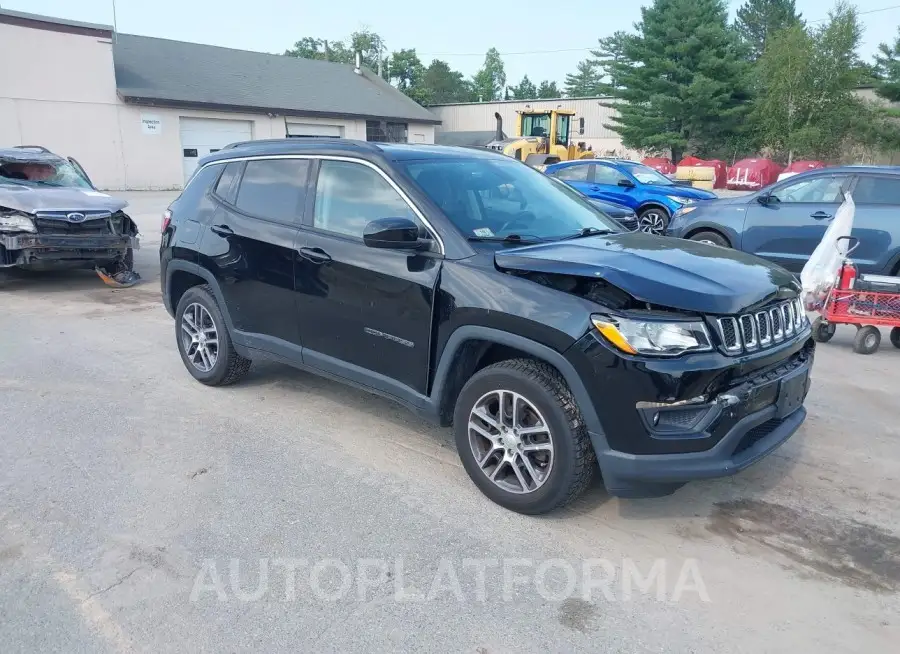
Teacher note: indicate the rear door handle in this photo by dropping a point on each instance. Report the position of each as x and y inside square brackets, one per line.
[222, 230]
[821, 215]
[316, 255]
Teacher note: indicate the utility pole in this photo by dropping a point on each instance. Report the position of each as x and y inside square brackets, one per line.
[115, 29]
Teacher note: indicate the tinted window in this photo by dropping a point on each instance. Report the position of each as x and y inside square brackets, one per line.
[274, 189]
[500, 197]
[226, 188]
[574, 173]
[350, 195]
[194, 193]
[877, 190]
[607, 175]
[818, 190]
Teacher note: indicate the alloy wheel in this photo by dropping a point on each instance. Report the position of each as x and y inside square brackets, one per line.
[652, 222]
[511, 441]
[199, 337]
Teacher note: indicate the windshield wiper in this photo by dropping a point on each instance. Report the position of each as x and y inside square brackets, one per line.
[588, 231]
[509, 238]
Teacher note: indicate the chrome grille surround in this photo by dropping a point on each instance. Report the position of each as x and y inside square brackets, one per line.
[750, 332]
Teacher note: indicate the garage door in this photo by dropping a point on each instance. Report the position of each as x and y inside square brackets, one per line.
[309, 129]
[200, 136]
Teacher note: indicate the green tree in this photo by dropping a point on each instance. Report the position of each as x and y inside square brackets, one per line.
[585, 81]
[524, 90]
[807, 105]
[444, 85]
[491, 79]
[368, 43]
[681, 80]
[887, 70]
[610, 53]
[548, 91]
[758, 20]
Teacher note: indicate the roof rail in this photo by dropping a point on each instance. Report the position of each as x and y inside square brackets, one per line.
[361, 145]
[39, 148]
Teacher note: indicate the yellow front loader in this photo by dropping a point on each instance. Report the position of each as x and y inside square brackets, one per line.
[542, 138]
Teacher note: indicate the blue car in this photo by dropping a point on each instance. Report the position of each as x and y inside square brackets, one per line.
[654, 197]
[785, 222]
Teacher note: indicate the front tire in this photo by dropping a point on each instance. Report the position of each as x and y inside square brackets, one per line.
[521, 437]
[204, 342]
[712, 238]
[653, 221]
[867, 340]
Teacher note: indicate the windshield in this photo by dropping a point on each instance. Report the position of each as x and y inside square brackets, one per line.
[647, 175]
[41, 173]
[496, 198]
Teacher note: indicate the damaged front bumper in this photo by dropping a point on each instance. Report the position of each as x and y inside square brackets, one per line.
[698, 417]
[38, 250]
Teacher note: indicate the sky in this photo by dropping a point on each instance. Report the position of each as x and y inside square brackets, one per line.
[459, 31]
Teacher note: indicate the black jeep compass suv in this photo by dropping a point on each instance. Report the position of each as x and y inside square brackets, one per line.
[480, 294]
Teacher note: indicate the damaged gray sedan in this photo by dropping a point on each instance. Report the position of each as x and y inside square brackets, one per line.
[51, 216]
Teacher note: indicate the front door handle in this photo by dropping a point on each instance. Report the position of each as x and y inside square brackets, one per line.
[222, 230]
[316, 255]
[821, 215]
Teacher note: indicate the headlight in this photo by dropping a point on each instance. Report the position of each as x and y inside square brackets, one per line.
[654, 337]
[681, 200]
[13, 222]
[685, 210]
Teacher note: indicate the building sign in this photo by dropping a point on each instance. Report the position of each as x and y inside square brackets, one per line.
[151, 124]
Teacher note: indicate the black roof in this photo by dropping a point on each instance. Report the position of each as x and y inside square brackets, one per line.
[173, 73]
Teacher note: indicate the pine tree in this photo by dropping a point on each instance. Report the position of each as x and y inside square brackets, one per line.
[524, 90]
[758, 20]
[887, 70]
[610, 53]
[584, 82]
[682, 81]
[548, 91]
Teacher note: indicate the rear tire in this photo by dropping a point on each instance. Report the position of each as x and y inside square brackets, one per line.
[216, 365]
[867, 340]
[713, 238]
[822, 331]
[895, 337]
[527, 395]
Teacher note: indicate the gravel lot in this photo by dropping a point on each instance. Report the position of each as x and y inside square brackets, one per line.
[140, 510]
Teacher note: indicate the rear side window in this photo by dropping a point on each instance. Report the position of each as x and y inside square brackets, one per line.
[574, 173]
[877, 190]
[199, 184]
[226, 188]
[274, 189]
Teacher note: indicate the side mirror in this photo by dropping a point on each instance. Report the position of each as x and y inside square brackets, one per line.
[394, 234]
[626, 183]
[763, 198]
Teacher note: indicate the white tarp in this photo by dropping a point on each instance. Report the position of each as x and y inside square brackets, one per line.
[821, 271]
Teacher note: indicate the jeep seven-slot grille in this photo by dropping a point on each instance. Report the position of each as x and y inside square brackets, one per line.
[753, 331]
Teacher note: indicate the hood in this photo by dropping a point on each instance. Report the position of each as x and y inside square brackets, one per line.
[669, 272]
[680, 191]
[30, 199]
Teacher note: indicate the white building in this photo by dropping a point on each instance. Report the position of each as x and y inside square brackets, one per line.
[588, 125]
[138, 112]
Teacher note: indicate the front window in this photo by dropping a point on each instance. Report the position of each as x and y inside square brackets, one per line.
[42, 172]
[494, 198]
[825, 190]
[536, 125]
[647, 175]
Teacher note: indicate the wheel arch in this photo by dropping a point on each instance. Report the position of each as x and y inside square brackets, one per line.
[472, 347]
[653, 204]
[183, 275]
